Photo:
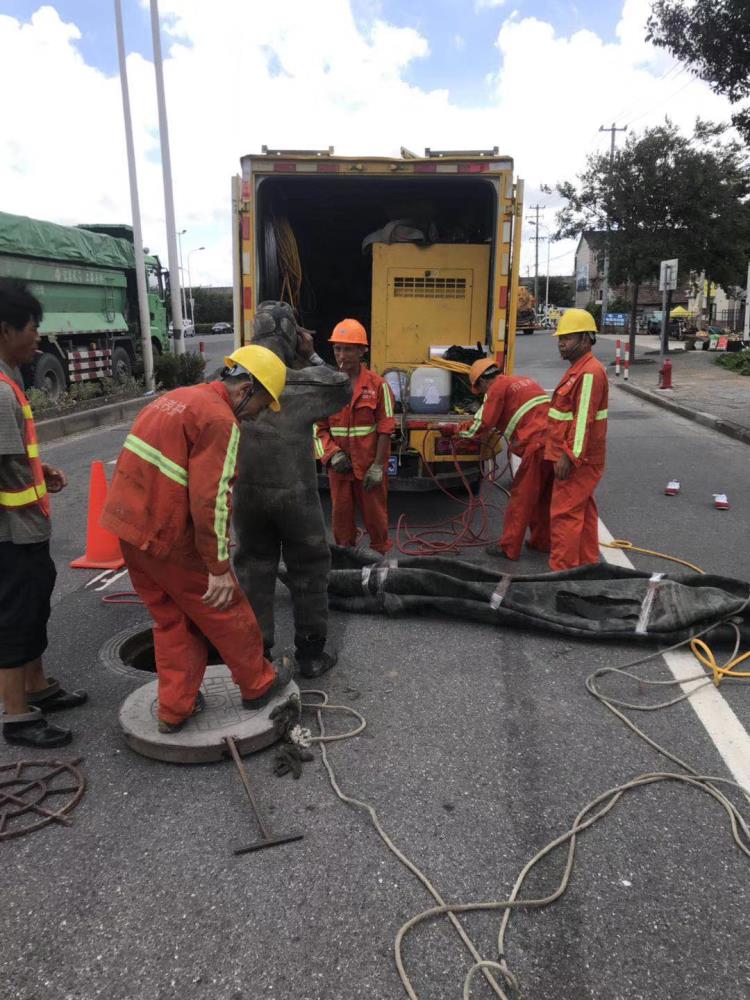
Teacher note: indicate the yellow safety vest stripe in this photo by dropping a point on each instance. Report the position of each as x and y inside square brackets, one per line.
[583, 413]
[475, 425]
[601, 415]
[521, 413]
[559, 415]
[360, 431]
[154, 457]
[32, 450]
[22, 498]
[27, 411]
[221, 511]
[319, 449]
[387, 401]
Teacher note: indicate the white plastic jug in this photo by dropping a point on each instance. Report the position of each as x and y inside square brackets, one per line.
[430, 390]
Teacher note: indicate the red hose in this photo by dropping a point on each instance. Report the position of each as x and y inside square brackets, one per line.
[454, 533]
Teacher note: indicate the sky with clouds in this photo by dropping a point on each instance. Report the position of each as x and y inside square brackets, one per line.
[535, 77]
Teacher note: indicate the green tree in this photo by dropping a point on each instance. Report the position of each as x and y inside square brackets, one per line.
[665, 195]
[560, 290]
[711, 38]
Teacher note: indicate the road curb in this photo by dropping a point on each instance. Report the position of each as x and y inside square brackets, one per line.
[726, 427]
[98, 416]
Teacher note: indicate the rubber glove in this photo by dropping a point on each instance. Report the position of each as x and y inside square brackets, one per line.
[373, 477]
[340, 462]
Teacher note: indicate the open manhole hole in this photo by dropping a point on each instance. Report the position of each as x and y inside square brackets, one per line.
[131, 652]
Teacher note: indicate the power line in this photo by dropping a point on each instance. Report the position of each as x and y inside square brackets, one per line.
[666, 101]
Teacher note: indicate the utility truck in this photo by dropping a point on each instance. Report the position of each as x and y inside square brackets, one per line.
[85, 278]
[423, 251]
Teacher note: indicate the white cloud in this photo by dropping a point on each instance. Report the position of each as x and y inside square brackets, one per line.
[302, 75]
[459, 42]
[488, 4]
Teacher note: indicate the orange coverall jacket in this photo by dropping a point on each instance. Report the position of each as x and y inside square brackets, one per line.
[516, 407]
[171, 492]
[354, 430]
[578, 414]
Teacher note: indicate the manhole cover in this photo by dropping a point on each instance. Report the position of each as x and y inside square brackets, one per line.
[203, 736]
[35, 793]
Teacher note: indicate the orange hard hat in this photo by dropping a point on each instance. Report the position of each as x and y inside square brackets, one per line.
[478, 369]
[349, 331]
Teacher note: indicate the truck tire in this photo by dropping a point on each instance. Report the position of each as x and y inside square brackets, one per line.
[49, 376]
[122, 364]
[156, 349]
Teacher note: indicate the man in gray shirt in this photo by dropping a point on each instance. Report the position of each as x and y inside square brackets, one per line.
[27, 573]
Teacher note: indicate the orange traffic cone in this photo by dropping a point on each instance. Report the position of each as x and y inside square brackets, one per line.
[102, 547]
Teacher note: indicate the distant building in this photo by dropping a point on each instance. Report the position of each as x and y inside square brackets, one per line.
[589, 278]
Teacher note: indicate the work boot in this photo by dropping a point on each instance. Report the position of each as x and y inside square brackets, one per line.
[32, 730]
[53, 698]
[310, 657]
[175, 727]
[496, 550]
[314, 666]
[284, 674]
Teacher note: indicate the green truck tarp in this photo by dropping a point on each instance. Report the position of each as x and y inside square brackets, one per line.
[24, 237]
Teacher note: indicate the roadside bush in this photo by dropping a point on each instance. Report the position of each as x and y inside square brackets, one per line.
[738, 363]
[39, 402]
[172, 370]
[80, 392]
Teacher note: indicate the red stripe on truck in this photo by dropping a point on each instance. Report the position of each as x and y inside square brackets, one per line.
[247, 297]
[283, 167]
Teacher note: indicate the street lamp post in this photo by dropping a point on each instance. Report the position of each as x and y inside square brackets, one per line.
[182, 270]
[190, 286]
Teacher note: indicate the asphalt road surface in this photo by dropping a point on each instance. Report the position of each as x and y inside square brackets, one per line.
[481, 747]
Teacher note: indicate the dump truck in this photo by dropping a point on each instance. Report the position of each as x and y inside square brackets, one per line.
[526, 317]
[424, 251]
[85, 278]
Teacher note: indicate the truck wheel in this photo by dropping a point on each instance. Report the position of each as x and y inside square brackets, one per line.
[156, 350]
[122, 365]
[49, 376]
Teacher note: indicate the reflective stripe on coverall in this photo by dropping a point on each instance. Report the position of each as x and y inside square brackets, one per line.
[516, 407]
[169, 503]
[578, 429]
[355, 430]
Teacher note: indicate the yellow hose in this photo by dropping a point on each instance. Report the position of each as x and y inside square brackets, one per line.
[621, 543]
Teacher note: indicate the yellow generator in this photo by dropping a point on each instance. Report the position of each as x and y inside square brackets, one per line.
[426, 297]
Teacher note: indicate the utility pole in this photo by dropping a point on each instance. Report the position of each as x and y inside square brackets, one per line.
[536, 238]
[166, 168]
[746, 325]
[140, 271]
[613, 130]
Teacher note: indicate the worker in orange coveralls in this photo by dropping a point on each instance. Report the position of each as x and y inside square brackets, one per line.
[169, 503]
[355, 443]
[516, 408]
[577, 444]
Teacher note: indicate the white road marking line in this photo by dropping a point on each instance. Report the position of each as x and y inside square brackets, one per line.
[108, 583]
[98, 577]
[112, 461]
[725, 730]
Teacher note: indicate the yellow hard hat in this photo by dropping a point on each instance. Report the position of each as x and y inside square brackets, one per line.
[575, 321]
[263, 365]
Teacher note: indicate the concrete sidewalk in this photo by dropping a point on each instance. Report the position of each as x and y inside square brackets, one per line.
[703, 392]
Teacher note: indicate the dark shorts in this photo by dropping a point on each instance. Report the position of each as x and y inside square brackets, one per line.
[27, 579]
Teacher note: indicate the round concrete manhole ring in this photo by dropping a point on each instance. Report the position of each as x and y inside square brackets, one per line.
[202, 739]
[131, 652]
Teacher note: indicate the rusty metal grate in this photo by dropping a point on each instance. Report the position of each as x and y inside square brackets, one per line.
[429, 288]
